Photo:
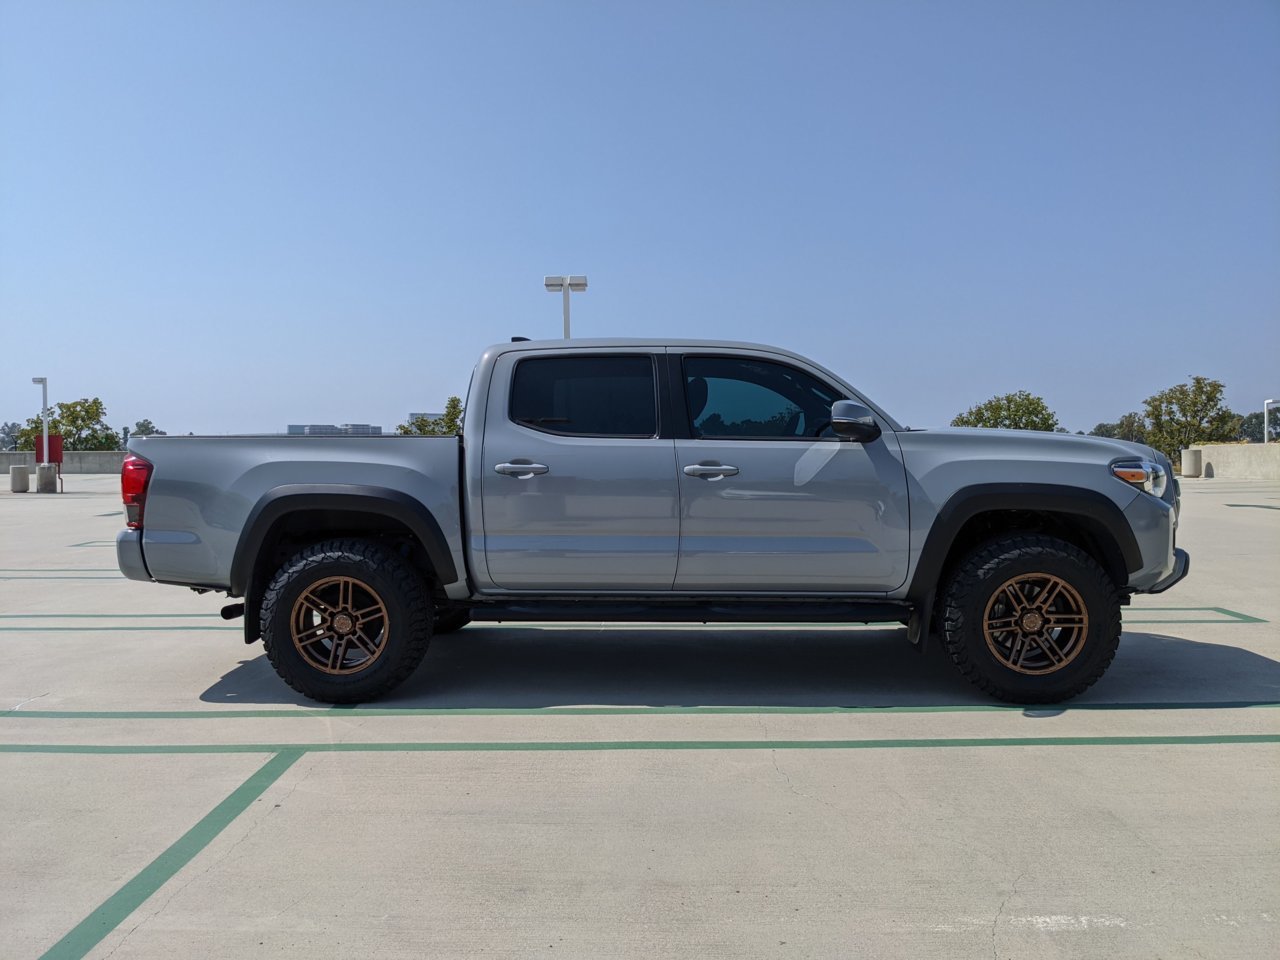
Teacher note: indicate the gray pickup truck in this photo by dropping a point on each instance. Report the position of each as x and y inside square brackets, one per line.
[640, 480]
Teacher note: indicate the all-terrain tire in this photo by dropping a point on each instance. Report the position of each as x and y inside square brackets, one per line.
[304, 618]
[1014, 649]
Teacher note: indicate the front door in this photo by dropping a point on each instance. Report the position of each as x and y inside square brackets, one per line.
[578, 491]
[771, 499]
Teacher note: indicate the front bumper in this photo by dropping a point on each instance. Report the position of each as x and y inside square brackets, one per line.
[129, 555]
[1153, 523]
[1181, 567]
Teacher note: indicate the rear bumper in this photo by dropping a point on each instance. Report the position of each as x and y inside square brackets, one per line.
[1181, 567]
[129, 555]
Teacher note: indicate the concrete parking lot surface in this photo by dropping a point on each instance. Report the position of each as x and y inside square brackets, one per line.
[631, 791]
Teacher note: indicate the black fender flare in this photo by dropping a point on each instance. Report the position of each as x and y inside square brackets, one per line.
[1098, 510]
[281, 501]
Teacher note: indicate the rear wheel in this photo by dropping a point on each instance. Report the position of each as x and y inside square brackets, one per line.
[1031, 619]
[346, 621]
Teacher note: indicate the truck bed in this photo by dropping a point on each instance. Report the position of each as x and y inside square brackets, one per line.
[205, 491]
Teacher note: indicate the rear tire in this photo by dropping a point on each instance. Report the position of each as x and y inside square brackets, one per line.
[1031, 619]
[346, 621]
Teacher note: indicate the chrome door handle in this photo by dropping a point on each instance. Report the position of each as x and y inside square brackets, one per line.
[710, 471]
[521, 471]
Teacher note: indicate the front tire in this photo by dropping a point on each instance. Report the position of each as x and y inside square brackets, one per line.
[1031, 619]
[346, 621]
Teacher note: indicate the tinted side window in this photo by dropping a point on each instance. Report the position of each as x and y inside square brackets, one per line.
[586, 396]
[743, 398]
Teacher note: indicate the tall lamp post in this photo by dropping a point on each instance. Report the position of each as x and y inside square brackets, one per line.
[44, 411]
[1266, 419]
[565, 284]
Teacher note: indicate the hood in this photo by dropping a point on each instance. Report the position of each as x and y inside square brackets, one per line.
[1070, 446]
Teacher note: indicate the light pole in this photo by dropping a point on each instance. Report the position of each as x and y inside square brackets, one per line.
[565, 284]
[1266, 419]
[44, 411]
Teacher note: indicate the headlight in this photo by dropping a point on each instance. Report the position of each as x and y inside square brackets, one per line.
[1143, 474]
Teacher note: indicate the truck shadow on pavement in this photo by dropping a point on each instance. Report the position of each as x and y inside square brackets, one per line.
[497, 666]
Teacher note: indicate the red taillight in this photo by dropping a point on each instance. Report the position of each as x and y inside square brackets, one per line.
[135, 474]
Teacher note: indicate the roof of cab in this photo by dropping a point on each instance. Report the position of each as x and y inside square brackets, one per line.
[609, 343]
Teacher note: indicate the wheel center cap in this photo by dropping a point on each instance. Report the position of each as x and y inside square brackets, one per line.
[1032, 621]
[343, 623]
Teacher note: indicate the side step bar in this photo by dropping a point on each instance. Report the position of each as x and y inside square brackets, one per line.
[708, 610]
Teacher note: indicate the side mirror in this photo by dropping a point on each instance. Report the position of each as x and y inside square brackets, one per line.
[851, 419]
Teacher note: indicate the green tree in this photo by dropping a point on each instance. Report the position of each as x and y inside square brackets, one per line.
[1190, 413]
[81, 424]
[1251, 426]
[9, 435]
[145, 428]
[447, 424]
[1012, 411]
[1132, 427]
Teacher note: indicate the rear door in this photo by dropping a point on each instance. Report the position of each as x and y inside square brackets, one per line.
[771, 499]
[578, 491]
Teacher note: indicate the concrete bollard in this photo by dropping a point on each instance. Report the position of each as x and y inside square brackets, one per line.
[46, 478]
[19, 479]
[1192, 461]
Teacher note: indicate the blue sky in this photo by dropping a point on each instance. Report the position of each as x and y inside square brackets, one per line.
[231, 216]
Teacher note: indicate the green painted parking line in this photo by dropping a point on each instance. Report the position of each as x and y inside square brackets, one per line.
[117, 577]
[110, 616]
[328, 713]
[1172, 621]
[90, 931]
[594, 746]
[1240, 617]
[1232, 616]
[134, 628]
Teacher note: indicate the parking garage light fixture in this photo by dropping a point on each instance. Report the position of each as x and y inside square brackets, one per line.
[44, 411]
[564, 285]
[1266, 419]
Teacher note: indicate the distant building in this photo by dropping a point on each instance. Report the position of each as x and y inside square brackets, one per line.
[429, 416]
[360, 429]
[330, 430]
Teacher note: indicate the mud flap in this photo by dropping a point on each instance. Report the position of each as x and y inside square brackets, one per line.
[918, 623]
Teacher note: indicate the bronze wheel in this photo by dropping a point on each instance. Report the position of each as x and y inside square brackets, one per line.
[339, 625]
[1030, 618]
[346, 620]
[1035, 623]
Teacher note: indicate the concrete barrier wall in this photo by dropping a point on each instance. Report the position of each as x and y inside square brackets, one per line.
[1239, 461]
[74, 461]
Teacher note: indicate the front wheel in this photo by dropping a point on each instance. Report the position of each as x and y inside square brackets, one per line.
[1031, 619]
[346, 621]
